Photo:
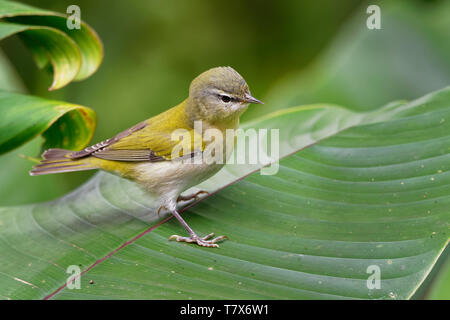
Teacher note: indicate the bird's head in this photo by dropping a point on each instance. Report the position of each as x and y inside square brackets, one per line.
[220, 93]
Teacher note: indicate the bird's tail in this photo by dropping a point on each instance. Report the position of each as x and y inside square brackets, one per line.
[57, 160]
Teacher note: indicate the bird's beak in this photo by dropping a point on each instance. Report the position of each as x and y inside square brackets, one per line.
[248, 98]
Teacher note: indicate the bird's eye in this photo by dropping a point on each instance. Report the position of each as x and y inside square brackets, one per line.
[225, 99]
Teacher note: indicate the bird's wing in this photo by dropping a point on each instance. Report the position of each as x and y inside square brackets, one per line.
[143, 142]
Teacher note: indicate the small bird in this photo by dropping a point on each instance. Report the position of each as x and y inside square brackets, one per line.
[143, 153]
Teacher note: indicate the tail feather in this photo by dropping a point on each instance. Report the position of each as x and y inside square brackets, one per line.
[56, 153]
[58, 161]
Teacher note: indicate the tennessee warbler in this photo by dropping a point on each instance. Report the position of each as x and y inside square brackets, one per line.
[143, 153]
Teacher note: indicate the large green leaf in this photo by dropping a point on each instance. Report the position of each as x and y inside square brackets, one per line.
[62, 124]
[376, 193]
[73, 54]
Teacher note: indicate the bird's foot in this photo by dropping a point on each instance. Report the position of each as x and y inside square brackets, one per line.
[204, 242]
[192, 196]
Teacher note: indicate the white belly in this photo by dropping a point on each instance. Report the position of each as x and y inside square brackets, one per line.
[168, 179]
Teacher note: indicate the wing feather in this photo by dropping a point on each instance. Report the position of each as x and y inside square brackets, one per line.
[144, 142]
[128, 155]
[104, 144]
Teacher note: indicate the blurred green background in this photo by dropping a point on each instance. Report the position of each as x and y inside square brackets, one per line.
[290, 52]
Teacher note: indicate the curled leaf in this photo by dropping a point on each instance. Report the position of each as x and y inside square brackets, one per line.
[62, 124]
[73, 54]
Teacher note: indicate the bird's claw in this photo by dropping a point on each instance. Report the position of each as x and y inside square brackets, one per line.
[192, 196]
[204, 242]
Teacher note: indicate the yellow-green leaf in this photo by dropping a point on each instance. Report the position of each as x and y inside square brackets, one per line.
[62, 124]
[73, 54]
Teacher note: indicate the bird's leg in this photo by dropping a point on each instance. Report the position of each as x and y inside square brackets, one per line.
[191, 196]
[204, 242]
